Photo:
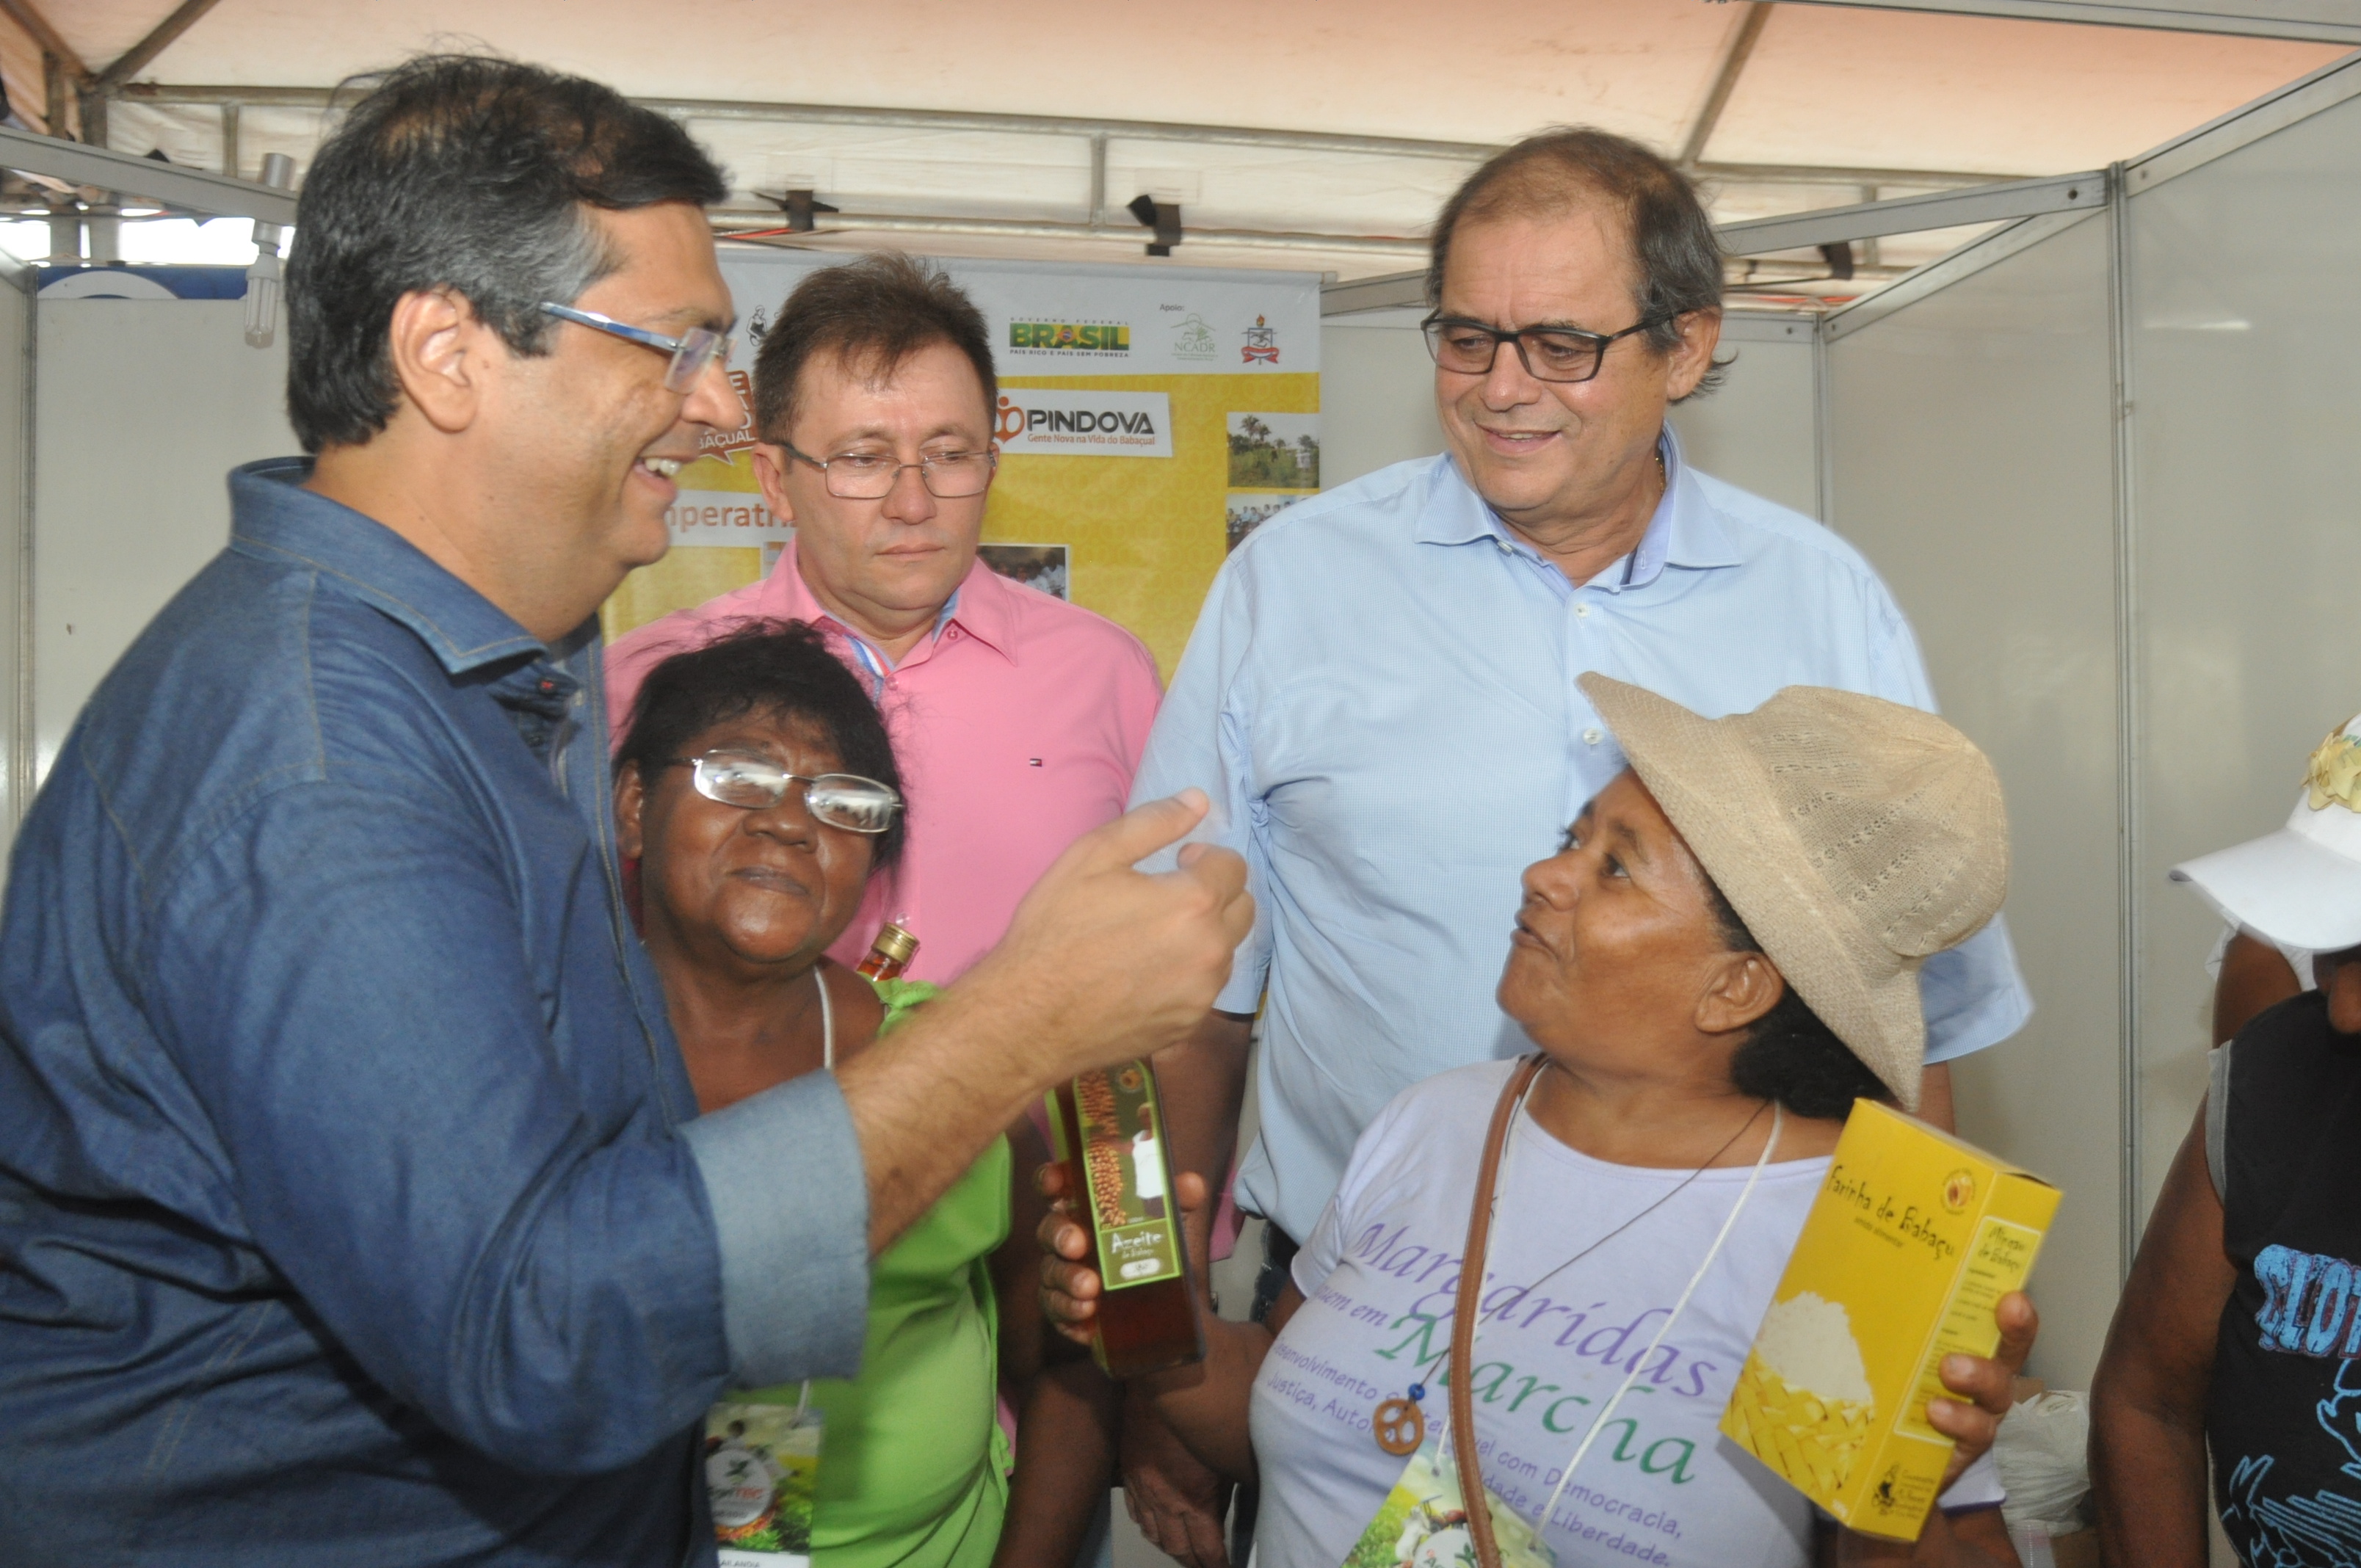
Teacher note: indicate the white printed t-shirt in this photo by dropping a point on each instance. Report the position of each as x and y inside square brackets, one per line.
[1378, 1273]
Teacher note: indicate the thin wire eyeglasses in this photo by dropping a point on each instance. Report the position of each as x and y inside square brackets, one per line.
[871, 476]
[691, 352]
[756, 782]
[1560, 353]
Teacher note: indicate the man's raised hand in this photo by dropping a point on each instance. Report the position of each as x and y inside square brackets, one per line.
[1116, 962]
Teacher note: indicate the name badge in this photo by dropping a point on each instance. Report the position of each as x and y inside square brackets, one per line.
[760, 1465]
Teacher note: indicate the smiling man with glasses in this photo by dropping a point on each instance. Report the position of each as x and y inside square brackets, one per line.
[1374, 655]
[354, 1203]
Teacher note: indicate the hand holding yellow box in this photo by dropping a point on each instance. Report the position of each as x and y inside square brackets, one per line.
[1914, 1239]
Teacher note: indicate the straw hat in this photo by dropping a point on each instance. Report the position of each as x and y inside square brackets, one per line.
[1853, 835]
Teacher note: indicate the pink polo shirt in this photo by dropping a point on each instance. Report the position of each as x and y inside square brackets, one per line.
[1018, 726]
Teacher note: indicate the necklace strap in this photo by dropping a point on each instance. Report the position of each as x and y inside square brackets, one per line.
[828, 1064]
[827, 1020]
[1469, 1303]
[1730, 1222]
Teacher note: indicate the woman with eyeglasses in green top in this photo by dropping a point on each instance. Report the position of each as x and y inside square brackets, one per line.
[758, 791]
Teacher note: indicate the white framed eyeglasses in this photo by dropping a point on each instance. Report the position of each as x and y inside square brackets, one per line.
[691, 352]
[752, 780]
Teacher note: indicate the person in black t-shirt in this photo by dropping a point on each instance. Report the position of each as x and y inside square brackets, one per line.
[2239, 1331]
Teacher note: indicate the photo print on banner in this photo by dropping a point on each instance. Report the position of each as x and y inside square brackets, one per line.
[1274, 461]
[1041, 566]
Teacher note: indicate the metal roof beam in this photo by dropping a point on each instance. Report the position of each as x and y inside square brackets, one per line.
[159, 39]
[1748, 33]
[730, 223]
[1059, 126]
[1808, 231]
[1915, 215]
[46, 38]
[2311, 21]
[1395, 291]
[188, 190]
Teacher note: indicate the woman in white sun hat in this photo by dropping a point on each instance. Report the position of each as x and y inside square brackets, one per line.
[2255, 968]
[2239, 1331]
[1722, 956]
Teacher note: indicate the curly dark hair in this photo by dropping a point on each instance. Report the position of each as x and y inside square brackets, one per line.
[779, 667]
[1791, 1056]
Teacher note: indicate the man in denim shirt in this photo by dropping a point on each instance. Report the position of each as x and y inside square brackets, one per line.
[350, 1207]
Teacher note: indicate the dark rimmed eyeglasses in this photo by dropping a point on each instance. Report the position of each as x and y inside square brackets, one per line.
[752, 780]
[1558, 354]
[691, 352]
[871, 476]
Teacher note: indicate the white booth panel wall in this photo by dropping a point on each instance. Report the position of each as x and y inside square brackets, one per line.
[1377, 394]
[2247, 482]
[140, 410]
[1760, 430]
[1971, 461]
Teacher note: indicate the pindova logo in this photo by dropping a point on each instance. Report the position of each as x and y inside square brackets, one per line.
[1016, 420]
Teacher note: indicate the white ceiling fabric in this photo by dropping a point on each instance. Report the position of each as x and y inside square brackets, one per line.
[1824, 86]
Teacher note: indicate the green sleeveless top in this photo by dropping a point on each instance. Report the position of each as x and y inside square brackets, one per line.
[912, 1465]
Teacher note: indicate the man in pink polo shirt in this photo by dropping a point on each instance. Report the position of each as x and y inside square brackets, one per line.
[1018, 719]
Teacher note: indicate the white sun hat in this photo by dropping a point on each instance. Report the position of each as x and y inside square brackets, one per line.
[2300, 887]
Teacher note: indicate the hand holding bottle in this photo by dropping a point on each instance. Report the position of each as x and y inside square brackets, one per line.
[1070, 1286]
[1102, 964]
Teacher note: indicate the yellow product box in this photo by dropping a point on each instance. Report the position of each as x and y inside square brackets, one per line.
[1914, 1239]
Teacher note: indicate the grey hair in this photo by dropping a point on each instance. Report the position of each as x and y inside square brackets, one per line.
[473, 174]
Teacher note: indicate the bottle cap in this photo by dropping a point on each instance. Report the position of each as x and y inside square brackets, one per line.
[895, 943]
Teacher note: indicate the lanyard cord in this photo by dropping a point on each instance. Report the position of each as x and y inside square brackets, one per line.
[826, 1021]
[827, 1064]
[1695, 1280]
[1418, 1390]
[1462, 1417]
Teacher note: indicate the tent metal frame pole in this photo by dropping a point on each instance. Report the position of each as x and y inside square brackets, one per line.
[847, 225]
[172, 94]
[1996, 203]
[1742, 40]
[190, 189]
[1824, 442]
[2306, 21]
[23, 760]
[2131, 929]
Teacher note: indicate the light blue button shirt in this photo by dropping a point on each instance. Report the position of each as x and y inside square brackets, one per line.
[1380, 695]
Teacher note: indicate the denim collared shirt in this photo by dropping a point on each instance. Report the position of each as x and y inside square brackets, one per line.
[351, 1212]
[1380, 697]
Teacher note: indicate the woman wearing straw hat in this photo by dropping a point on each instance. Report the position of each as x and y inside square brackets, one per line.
[1719, 959]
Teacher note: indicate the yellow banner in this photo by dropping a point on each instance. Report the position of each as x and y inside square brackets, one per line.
[1138, 538]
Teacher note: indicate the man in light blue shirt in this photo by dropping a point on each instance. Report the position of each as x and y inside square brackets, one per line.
[1381, 690]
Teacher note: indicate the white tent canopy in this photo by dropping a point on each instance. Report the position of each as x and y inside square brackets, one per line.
[1780, 107]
